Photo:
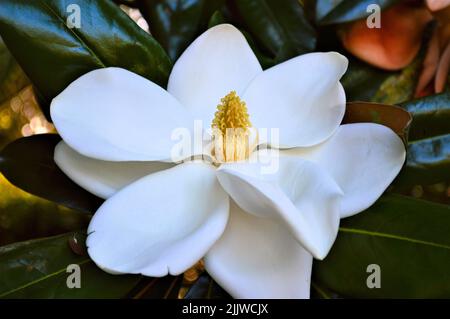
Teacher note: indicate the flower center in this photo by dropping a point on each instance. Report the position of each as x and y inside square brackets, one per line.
[232, 135]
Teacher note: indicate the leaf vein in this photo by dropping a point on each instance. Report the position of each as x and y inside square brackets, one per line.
[31, 283]
[83, 43]
[391, 236]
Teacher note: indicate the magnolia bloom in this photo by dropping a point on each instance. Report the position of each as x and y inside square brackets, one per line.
[257, 232]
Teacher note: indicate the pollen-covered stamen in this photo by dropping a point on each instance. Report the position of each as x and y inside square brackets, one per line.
[232, 135]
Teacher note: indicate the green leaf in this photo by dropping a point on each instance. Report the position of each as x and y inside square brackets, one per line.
[175, 24]
[431, 116]
[339, 11]
[206, 288]
[280, 28]
[400, 87]
[53, 55]
[28, 163]
[12, 78]
[428, 157]
[265, 61]
[362, 81]
[427, 162]
[37, 269]
[409, 239]
[25, 217]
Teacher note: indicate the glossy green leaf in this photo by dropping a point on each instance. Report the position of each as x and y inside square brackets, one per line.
[12, 78]
[431, 116]
[53, 55]
[362, 81]
[38, 269]
[28, 163]
[428, 157]
[206, 288]
[265, 61]
[339, 11]
[427, 162]
[175, 24]
[280, 28]
[408, 238]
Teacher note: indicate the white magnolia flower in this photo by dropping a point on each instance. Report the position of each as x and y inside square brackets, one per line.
[258, 233]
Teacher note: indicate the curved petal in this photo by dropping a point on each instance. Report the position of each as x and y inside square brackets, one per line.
[301, 97]
[257, 258]
[102, 178]
[113, 114]
[162, 224]
[300, 195]
[363, 158]
[217, 62]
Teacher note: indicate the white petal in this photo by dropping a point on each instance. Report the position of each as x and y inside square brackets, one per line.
[363, 158]
[301, 97]
[217, 62]
[300, 194]
[102, 178]
[257, 258]
[115, 115]
[162, 224]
